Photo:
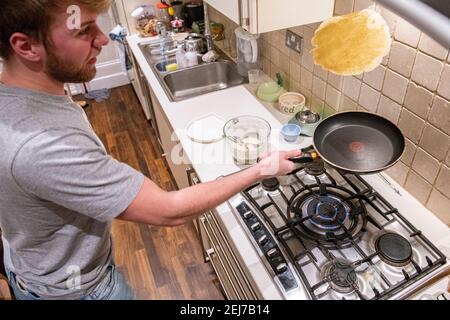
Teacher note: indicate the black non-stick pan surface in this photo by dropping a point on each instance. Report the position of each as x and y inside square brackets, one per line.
[359, 142]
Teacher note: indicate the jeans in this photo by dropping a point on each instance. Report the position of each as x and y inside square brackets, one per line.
[113, 286]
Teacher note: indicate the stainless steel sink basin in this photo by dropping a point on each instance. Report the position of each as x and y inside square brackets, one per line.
[194, 81]
[202, 79]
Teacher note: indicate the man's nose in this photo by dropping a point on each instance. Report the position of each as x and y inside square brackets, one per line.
[101, 40]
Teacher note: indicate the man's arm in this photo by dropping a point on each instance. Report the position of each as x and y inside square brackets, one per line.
[155, 206]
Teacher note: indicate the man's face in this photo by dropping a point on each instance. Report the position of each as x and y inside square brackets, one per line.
[71, 54]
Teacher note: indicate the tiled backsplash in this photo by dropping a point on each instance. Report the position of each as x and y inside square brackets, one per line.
[411, 88]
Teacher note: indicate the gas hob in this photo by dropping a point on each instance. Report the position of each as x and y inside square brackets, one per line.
[329, 233]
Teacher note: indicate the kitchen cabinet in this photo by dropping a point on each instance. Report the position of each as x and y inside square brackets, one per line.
[259, 16]
[170, 144]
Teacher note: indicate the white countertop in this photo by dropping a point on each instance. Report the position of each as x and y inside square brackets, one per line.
[211, 161]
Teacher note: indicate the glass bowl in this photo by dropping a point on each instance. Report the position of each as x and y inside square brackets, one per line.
[248, 137]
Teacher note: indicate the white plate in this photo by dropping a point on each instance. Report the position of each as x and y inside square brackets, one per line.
[207, 129]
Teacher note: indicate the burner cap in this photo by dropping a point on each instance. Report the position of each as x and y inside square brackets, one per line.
[394, 249]
[315, 168]
[271, 184]
[340, 274]
[327, 212]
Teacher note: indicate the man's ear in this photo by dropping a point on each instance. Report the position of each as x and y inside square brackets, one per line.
[26, 47]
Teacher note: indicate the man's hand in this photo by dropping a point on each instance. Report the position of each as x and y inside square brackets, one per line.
[277, 163]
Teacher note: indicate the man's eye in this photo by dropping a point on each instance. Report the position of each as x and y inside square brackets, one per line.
[84, 30]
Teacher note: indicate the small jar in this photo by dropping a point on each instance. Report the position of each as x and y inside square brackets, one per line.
[143, 15]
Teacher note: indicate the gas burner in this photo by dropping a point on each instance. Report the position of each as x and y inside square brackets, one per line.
[340, 274]
[270, 184]
[394, 249]
[328, 214]
[315, 168]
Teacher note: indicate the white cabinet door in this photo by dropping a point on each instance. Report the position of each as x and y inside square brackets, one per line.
[229, 8]
[259, 16]
[173, 152]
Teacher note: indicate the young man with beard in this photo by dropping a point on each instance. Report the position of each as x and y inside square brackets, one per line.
[59, 189]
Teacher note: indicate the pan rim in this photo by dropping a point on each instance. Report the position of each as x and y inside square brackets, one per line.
[362, 171]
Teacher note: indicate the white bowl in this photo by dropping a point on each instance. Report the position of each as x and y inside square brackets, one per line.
[291, 102]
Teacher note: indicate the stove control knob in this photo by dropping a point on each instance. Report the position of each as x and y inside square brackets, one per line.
[248, 215]
[272, 253]
[263, 240]
[282, 267]
[256, 226]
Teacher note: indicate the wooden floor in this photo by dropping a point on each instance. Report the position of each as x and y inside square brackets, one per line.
[159, 263]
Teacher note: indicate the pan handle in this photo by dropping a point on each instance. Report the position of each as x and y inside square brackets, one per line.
[309, 154]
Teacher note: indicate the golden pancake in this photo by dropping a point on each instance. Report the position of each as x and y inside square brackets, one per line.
[352, 44]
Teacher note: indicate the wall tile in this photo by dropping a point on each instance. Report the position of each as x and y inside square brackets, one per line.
[352, 87]
[390, 18]
[442, 182]
[407, 33]
[362, 4]
[294, 85]
[389, 109]
[308, 34]
[284, 63]
[410, 152]
[295, 57]
[294, 71]
[427, 71]
[375, 78]
[333, 97]
[319, 88]
[398, 172]
[395, 86]
[418, 100]
[418, 186]
[369, 98]
[435, 142]
[308, 61]
[425, 165]
[432, 48]
[347, 104]
[440, 114]
[401, 58]
[439, 204]
[444, 86]
[336, 81]
[411, 125]
[343, 6]
[322, 74]
[306, 80]
[317, 105]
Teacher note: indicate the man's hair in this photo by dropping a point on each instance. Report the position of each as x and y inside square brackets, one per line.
[34, 17]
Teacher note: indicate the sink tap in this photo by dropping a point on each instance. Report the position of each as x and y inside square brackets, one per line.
[162, 33]
[210, 55]
[208, 36]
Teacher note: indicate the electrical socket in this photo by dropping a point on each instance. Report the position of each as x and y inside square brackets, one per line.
[294, 41]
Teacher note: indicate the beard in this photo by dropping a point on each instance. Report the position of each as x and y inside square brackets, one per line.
[66, 72]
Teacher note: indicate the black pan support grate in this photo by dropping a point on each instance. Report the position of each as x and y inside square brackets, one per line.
[377, 216]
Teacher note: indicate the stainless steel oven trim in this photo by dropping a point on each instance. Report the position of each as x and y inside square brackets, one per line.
[203, 220]
[233, 256]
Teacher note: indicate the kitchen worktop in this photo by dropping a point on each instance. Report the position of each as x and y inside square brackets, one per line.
[211, 161]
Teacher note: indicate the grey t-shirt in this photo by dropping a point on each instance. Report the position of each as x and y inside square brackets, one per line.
[59, 192]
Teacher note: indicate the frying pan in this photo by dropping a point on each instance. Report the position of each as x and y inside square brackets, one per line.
[356, 142]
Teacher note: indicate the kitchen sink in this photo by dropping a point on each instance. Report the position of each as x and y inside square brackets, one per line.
[197, 80]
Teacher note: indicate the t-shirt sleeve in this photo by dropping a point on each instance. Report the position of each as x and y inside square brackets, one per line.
[71, 169]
